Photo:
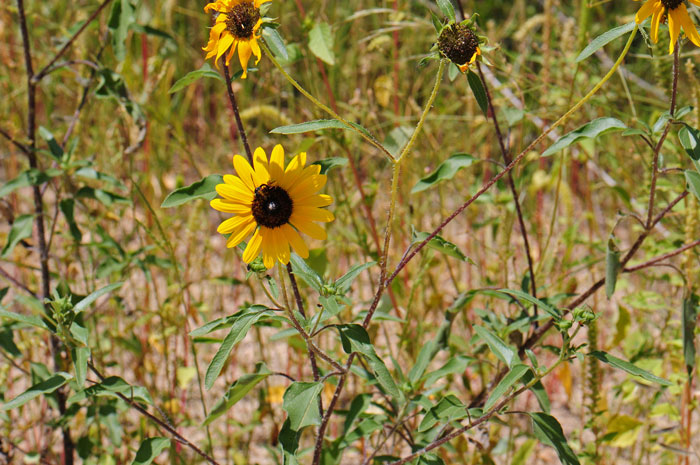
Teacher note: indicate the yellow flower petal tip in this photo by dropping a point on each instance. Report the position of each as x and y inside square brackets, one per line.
[273, 204]
[237, 27]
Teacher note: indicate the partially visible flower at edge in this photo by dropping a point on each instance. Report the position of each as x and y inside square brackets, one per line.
[237, 25]
[273, 204]
[677, 14]
[460, 44]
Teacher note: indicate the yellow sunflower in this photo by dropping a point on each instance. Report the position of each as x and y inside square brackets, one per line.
[677, 14]
[237, 25]
[460, 44]
[273, 204]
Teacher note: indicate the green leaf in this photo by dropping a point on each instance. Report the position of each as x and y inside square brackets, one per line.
[478, 90]
[80, 356]
[105, 197]
[440, 244]
[445, 171]
[503, 351]
[306, 273]
[328, 164]
[109, 387]
[21, 229]
[690, 314]
[548, 431]
[45, 387]
[150, 449]
[120, 19]
[343, 283]
[238, 332]
[628, 367]
[538, 390]
[693, 179]
[206, 71]
[275, 42]
[612, 267]
[237, 391]
[590, 130]
[448, 409]
[310, 126]
[455, 365]
[88, 300]
[552, 311]
[604, 39]
[321, 42]
[31, 320]
[67, 207]
[55, 149]
[31, 177]
[690, 140]
[354, 338]
[447, 9]
[205, 188]
[513, 376]
[301, 404]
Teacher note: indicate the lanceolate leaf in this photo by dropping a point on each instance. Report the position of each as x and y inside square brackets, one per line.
[441, 245]
[603, 39]
[87, 301]
[237, 391]
[690, 314]
[206, 71]
[553, 311]
[628, 367]
[502, 350]
[343, 283]
[447, 9]
[321, 42]
[301, 404]
[506, 383]
[612, 267]
[445, 171]
[548, 431]
[693, 179]
[590, 130]
[275, 42]
[45, 387]
[310, 126]
[238, 331]
[21, 229]
[478, 90]
[305, 272]
[203, 189]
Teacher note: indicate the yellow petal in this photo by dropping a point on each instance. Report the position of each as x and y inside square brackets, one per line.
[282, 246]
[277, 163]
[648, 8]
[255, 48]
[295, 241]
[234, 223]
[655, 20]
[313, 214]
[233, 193]
[307, 227]
[688, 26]
[260, 2]
[245, 172]
[315, 200]
[244, 53]
[231, 52]
[237, 237]
[297, 162]
[228, 206]
[224, 43]
[253, 248]
[695, 2]
[260, 166]
[267, 248]
[236, 182]
[308, 185]
[674, 28]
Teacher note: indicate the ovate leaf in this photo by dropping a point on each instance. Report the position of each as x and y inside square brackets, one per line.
[445, 171]
[275, 42]
[321, 42]
[21, 229]
[590, 130]
[301, 404]
[150, 449]
[693, 179]
[203, 189]
[237, 391]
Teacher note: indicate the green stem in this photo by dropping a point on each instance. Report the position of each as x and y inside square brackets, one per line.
[368, 137]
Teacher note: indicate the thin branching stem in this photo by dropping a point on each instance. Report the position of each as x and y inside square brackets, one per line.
[236, 114]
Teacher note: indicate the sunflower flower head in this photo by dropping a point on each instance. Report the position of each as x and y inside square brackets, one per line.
[459, 43]
[274, 204]
[237, 26]
[673, 11]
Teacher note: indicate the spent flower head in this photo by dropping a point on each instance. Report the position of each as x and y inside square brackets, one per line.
[673, 11]
[237, 26]
[274, 204]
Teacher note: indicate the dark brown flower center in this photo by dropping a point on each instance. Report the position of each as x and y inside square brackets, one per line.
[241, 20]
[671, 4]
[458, 43]
[272, 206]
